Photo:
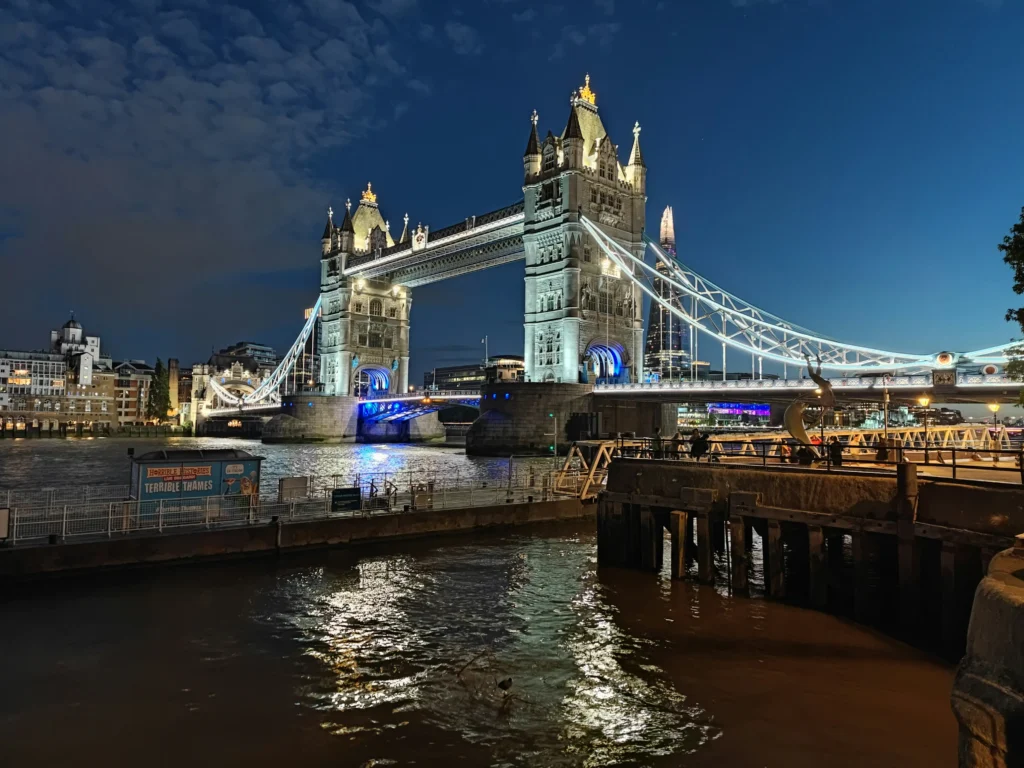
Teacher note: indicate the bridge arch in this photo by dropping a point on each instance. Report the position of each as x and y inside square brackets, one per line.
[605, 362]
[371, 381]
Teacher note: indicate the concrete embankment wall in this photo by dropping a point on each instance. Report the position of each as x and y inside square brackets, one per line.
[28, 561]
[982, 508]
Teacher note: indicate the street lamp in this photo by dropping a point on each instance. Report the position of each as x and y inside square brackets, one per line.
[994, 407]
[923, 400]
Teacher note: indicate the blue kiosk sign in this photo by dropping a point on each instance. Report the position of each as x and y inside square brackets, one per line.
[163, 475]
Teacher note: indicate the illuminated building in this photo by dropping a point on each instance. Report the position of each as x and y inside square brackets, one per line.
[723, 414]
[500, 368]
[583, 319]
[264, 356]
[134, 378]
[363, 336]
[667, 350]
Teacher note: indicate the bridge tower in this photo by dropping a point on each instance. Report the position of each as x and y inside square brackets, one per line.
[583, 321]
[364, 343]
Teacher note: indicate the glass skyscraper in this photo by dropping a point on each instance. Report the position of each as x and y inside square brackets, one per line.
[667, 350]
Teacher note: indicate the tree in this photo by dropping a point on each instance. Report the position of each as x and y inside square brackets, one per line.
[159, 401]
[1012, 249]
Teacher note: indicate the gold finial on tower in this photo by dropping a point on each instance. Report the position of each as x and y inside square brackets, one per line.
[586, 94]
[368, 195]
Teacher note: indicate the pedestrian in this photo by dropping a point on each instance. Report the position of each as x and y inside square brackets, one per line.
[835, 452]
[677, 441]
[699, 446]
[805, 456]
[656, 443]
[783, 453]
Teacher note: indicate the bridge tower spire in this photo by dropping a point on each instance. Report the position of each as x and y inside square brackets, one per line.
[582, 318]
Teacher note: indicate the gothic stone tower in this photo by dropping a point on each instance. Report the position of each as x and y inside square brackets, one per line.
[364, 347]
[583, 320]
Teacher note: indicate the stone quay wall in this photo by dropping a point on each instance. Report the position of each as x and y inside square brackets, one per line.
[275, 537]
[315, 418]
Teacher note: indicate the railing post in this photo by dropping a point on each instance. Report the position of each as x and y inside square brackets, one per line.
[64, 523]
[1020, 465]
[160, 517]
[206, 513]
[110, 520]
[14, 522]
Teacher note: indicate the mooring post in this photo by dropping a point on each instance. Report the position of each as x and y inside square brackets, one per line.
[649, 531]
[680, 526]
[740, 558]
[909, 563]
[818, 576]
[775, 584]
[705, 556]
[741, 504]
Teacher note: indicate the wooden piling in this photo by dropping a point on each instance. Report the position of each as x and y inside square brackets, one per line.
[774, 579]
[648, 532]
[818, 571]
[740, 558]
[909, 565]
[866, 605]
[679, 527]
[705, 556]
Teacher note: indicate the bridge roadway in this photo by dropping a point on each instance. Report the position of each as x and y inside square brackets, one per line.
[969, 388]
[477, 243]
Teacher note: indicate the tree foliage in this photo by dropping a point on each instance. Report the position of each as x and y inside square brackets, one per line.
[1012, 249]
[159, 401]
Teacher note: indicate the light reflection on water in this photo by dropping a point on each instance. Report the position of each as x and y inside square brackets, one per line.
[52, 462]
[430, 637]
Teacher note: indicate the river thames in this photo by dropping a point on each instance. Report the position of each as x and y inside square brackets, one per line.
[390, 654]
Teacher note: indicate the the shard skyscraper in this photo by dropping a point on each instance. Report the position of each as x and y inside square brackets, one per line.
[667, 350]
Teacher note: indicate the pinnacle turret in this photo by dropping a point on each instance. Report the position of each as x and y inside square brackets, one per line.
[533, 145]
[636, 157]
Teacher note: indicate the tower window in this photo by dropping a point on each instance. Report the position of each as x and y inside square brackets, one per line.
[392, 311]
[376, 308]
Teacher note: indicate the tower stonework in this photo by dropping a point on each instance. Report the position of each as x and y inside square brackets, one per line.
[583, 321]
[364, 346]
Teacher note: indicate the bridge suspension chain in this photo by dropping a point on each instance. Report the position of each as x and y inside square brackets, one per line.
[755, 331]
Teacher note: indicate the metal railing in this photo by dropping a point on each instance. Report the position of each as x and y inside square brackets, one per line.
[861, 455]
[56, 497]
[83, 518]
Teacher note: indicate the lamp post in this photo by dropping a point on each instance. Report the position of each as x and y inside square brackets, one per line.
[923, 400]
[994, 407]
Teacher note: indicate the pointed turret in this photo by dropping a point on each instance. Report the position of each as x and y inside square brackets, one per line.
[325, 241]
[572, 141]
[636, 170]
[532, 156]
[346, 233]
[572, 128]
[405, 231]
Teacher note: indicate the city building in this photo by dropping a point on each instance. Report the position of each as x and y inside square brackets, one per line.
[668, 345]
[70, 382]
[499, 368]
[265, 357]
[133, 380]
[723, 414]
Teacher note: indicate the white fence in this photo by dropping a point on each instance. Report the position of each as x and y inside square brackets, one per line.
[82, 515]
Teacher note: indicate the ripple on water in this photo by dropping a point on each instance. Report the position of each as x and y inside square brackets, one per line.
[429, 636]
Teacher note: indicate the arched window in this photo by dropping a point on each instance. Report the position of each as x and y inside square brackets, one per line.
[392, 311]
[551, 303]
[376, 307]
[559, 302]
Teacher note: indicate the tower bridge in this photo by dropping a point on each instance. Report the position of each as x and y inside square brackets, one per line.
[580, 228]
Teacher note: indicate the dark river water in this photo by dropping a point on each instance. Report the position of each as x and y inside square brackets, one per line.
[390, 655]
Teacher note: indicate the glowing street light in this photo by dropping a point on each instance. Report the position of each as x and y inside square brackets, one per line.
[924, 401]
[994, 407]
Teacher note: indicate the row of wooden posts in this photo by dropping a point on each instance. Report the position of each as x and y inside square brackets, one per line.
[889, 559]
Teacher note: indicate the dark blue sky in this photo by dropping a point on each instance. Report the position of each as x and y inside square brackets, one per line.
[165, 167]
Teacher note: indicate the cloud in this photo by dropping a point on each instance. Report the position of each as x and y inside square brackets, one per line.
[151, 154]
[525, 15]
[464, 39]
[419, 86]
[606, 6]
[601, 34]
